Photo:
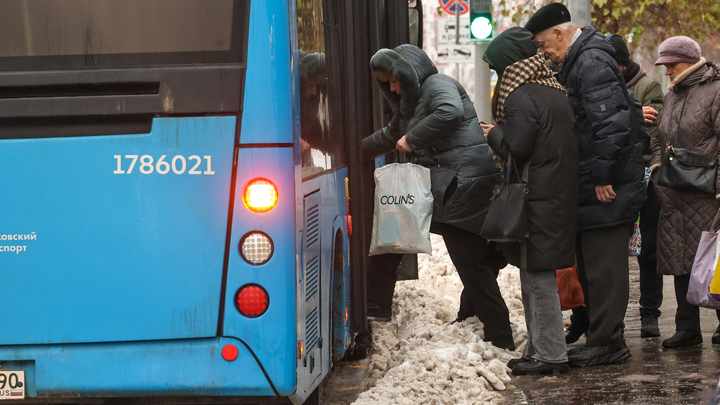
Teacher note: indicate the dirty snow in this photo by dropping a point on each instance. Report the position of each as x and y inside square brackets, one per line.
[421, 357]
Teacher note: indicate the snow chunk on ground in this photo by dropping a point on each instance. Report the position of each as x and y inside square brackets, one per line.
[421, 357]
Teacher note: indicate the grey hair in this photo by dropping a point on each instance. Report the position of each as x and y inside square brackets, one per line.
[566, 26]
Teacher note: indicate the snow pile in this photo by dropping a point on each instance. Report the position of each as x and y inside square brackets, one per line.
[421, 357]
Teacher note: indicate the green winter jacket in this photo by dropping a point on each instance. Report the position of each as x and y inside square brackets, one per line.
[649, 93]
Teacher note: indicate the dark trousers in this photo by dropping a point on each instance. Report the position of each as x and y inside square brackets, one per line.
[602, 256]
[478, 267]
[687, 316]
[380, 281]
[651, 283]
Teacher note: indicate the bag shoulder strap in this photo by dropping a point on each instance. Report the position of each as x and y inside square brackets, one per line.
[717, 216]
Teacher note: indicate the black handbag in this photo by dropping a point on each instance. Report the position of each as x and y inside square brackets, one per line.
[507, 218]
[689, 171]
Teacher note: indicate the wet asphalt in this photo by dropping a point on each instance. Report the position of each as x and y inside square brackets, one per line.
[652, 375]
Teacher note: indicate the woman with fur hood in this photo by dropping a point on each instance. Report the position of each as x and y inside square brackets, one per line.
[436, 121]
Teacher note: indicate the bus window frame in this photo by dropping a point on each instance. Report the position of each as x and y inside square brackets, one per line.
[237, 54]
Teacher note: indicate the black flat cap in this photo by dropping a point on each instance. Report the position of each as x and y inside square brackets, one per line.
[547, 17]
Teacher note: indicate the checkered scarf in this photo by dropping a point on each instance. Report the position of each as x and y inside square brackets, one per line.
[530, 70]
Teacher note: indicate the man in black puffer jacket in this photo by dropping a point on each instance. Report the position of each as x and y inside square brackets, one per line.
[612, 187]
[435, 119]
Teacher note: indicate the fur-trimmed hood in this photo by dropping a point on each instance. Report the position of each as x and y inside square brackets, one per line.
[411, 66]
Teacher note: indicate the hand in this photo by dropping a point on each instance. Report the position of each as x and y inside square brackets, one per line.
[402, 145]
[304, 146]
[650, 114]
[605, 193]
[486, 129]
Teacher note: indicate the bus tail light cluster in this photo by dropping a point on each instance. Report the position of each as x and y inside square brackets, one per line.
[260, 195]
[252, 300]
[256, 248]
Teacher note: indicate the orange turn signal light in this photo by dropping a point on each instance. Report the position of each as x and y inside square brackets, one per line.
[260, 195]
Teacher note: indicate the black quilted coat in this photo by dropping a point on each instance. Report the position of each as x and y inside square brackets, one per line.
[610, 149]
[441, 125]
[690, 119]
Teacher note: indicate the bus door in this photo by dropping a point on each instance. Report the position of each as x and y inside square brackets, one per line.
[118, 122]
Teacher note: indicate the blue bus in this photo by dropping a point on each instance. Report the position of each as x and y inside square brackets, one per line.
[179, 179]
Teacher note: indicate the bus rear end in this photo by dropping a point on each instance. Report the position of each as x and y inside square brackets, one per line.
[147, 248]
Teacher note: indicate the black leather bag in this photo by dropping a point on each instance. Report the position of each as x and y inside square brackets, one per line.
[507, 218]
[688, 171]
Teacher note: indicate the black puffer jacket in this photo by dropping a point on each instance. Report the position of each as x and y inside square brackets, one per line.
[608, 136]
[539, 130]
[441, 125]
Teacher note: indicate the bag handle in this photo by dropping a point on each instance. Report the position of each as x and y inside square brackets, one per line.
[511, 162]
[717, 216]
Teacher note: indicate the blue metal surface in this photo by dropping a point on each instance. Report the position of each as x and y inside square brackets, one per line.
[267, 110]
[181, 367]
[271, 336]
[117, 257]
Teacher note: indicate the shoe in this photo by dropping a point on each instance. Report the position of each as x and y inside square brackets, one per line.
[503, 343]
[650, 328]
[683, 338]
[377, 314]
[533, 366]
[573, 333]
[716, 336]
[580, 324]
[598, 355]
[513, 362]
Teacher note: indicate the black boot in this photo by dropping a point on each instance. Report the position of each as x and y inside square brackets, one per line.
[683, 338]
[513, 362]
[650, 328]
[716, 336]
[534, 366]
[598, 355]
[580, 324]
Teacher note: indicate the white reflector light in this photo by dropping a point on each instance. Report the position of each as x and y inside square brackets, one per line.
[256, 248]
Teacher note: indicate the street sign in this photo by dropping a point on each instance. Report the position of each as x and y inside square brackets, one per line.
[451, 53]
[449, 6]
[446, 30]
[448, 51]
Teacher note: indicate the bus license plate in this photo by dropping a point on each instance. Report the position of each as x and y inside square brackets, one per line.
[12, 384]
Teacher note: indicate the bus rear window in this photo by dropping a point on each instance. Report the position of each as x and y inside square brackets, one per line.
[83, 33]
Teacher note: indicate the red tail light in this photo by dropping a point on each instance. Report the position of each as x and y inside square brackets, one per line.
[252, 300]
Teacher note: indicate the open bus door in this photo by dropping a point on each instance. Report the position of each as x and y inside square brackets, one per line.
[389, 24]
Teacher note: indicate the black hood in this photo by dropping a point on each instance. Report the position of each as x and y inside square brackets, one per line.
[411, 66]
[589, 39]
[512, 45]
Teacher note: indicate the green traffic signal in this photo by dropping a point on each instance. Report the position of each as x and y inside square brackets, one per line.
[481, 27]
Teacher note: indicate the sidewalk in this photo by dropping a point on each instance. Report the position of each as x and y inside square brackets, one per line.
[652, 375]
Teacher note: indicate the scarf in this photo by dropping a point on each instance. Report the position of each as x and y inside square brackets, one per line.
[530, 70]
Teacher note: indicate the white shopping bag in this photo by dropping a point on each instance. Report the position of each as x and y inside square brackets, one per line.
[403, 210]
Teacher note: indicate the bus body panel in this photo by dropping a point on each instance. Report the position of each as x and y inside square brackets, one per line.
[115, 254]
[271, 336]
[267, 109]
[179, 367]
[325, 200]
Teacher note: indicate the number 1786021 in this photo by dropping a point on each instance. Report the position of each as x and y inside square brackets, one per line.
[146, 164]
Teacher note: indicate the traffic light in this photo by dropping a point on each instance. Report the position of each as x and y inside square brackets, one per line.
[480, 19]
